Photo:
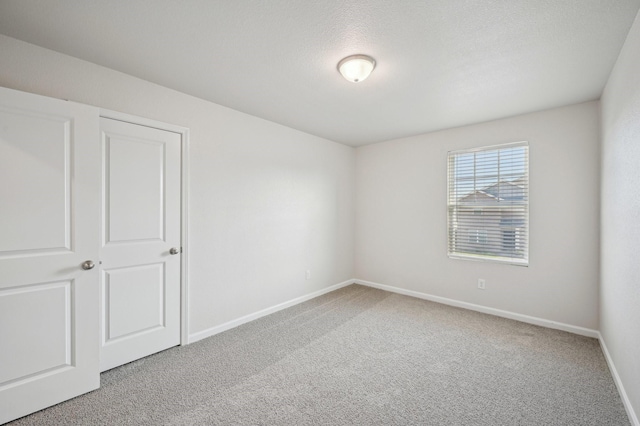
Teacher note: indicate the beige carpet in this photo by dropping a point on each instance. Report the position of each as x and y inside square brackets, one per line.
[360, 356]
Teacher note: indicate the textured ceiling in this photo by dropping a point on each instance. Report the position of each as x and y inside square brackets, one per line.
[440, 63]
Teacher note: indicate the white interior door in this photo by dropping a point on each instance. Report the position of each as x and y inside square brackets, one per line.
[140, 273]
[49, 223]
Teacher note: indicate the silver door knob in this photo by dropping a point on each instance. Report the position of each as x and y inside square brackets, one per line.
[88, 264]
[174, 250]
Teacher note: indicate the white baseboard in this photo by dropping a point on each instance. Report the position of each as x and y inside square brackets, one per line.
[451, 302]
[486, 310]
[247, 318]
[616, 378]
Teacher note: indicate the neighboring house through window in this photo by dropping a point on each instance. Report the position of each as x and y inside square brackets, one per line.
[488, 203]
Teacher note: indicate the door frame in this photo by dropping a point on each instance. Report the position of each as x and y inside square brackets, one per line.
[184, 204]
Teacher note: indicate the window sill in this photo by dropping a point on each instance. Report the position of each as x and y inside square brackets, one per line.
[496, 259]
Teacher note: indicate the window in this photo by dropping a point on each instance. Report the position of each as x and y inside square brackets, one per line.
[478, 236]
[488, 203]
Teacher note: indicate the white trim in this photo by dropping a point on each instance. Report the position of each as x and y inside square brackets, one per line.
[254, 316]
[476, 258]
[633, 418]
[184, 289]
[486, 310]
[142, 121]
[489, 147]
[184, 207]
[451, 302]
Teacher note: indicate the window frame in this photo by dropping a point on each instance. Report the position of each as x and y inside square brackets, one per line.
[483, 257]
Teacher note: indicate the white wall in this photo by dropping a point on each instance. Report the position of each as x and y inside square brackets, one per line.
[620, 259]
[401, 228]
[266, 202]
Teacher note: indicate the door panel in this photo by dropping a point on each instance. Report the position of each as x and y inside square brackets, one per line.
[140, 280]
[134, 189]
[49, 218]
[36, 154]
[134, 309]
[37, 346]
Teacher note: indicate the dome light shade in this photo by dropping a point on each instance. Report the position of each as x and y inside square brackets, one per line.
[356, 68]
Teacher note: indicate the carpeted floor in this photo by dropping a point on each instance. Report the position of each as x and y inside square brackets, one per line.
[360, 356]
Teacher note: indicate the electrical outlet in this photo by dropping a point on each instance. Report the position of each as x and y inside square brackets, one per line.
[308, 274]
[481, 283]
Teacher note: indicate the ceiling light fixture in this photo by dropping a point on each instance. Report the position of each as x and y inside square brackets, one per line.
[356, 68]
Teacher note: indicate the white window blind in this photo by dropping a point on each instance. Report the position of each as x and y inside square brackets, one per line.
[488, 203]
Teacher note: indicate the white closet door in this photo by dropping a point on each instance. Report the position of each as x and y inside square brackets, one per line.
[49, 227]
[140, 273]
